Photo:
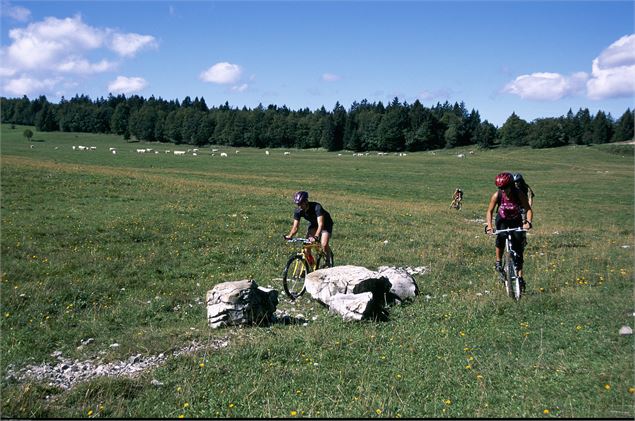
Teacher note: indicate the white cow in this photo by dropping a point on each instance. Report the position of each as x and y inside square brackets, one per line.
[223, 154]
[179, 152]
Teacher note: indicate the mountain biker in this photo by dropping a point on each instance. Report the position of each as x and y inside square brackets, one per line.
[510, 202]
[524, 187]
[320, 222]
[457, 197]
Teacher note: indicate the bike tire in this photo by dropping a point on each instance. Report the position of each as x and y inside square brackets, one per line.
[323, 261]
[293, 276]
[509, 273]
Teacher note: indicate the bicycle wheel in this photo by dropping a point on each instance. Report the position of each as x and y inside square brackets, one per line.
[293, 276]
[323, 261]
[509, 273]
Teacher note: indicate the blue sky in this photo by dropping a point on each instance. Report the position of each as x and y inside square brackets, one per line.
[537, 59]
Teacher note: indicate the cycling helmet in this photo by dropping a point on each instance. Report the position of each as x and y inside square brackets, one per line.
[503, 180]
[518, 177]
[300, 197]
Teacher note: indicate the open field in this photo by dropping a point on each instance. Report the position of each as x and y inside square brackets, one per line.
[122, 249]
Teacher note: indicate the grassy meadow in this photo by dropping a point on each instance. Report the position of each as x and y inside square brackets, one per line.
[123, 248]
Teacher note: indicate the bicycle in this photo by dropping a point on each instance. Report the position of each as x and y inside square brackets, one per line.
[309, 258]
[456, 204]
[509, 275]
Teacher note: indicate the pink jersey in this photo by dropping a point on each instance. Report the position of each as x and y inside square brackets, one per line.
[509, 207]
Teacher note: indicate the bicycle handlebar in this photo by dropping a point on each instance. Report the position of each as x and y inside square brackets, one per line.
[509, 230]
[299, 240]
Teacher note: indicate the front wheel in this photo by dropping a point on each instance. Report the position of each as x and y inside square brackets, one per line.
[293, 276]
[509, 274]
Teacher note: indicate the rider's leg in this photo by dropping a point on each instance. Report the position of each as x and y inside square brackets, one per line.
[310, 233]
[324, 239]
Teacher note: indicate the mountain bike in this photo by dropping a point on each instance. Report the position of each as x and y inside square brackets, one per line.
[307, 259]
[509, 275]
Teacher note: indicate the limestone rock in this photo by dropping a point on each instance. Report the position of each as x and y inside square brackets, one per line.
[402, 285]
[352, 306]
[240, 303]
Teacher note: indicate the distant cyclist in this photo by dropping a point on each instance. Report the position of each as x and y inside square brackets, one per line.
[457, 198]
[320, 222]
[510, 202]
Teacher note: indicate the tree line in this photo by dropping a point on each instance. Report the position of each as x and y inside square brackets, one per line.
[365, 126]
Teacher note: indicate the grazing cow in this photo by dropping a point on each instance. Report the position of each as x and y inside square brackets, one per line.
[287, 153]
[223, 154]
[114, 152]
[179, 152]
[141, 151]
[266, 152]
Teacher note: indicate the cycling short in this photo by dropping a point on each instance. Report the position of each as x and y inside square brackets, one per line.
[327, 228]
[519, 239]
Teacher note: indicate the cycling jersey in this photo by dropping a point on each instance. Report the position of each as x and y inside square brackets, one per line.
[313, 211]
[509, 207]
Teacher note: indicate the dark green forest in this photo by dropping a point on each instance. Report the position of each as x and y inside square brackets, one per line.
[365, 126]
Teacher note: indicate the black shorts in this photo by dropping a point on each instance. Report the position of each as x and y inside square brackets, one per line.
[519, 239]
[327, 228]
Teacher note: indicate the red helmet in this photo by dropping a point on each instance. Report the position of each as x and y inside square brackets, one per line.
[504, 179]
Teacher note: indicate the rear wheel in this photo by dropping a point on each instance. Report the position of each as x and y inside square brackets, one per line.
[323, 261]
[293, 276]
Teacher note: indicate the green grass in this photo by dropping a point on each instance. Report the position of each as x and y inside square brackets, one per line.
[122, 248]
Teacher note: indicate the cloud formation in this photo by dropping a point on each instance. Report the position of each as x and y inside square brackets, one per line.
[47, 53]
[330, 77]
[127, 85]
[18, 13]
[612, 76]
[613, 72]
[222, 73]
[546, 86]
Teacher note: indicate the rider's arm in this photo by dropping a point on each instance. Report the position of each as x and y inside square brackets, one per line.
[294, 228]
[490, 211]
[318, 231]
[530, 213]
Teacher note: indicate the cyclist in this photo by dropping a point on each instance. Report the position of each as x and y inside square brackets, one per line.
[457, 198]
[320, 222]
[524, 187]
[510, 202]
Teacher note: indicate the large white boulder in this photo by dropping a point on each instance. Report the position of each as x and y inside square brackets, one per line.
[240, 303]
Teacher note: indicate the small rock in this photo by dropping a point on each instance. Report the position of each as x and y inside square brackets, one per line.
[626, 330]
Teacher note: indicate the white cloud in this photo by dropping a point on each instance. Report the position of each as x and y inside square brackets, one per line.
[25, 85]
[82, 66]
[546, 86]
[126, 85]
[127, 45]
[613, 72]
[240, 88]
[53, 50]
[222, 73]
[426, 95]
[612, 75]
[18, 13]
[330, 77]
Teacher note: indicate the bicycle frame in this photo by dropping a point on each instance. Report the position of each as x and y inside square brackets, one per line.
[307, 248]
[300, 263]
[512, 280]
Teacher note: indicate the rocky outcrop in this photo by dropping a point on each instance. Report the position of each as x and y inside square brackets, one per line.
[240, 303]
